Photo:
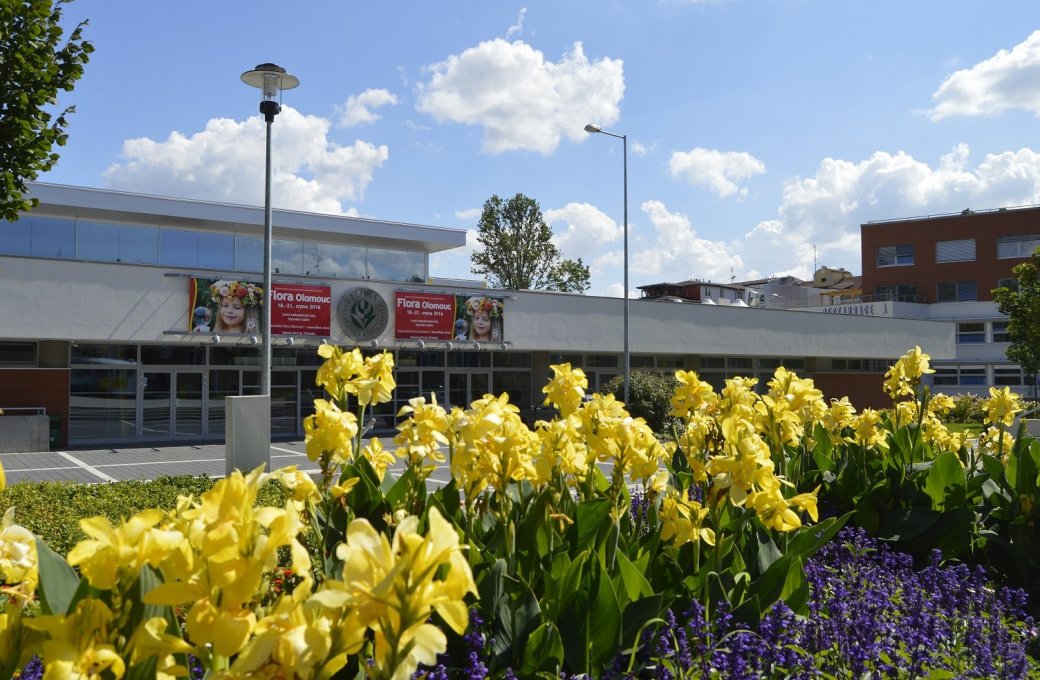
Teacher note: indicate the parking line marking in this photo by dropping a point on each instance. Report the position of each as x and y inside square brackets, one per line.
[92, 470]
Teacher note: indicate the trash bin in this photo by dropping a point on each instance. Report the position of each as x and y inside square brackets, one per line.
[55, 437]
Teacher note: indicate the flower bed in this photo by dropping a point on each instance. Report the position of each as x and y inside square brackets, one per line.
[544, 548]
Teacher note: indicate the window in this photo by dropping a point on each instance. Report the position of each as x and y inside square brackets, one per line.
[601, 361]
[184, 248]
[957, 291]
[1011, 283]
[18, 353]
[1000, 332]
[961, 250]
[53, 238]
[15, 237]
[1007, 375]
[1021, 245]
[138, 245]
[968, 333]
[891, 256]
[898, 293]
[959, 375]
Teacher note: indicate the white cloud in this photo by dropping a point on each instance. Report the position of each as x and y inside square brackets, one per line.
[720, 171]
[678, 253]
[587, 229]
[522, 101]
[225, 162]
[828, 208]
[358, 109]
[638, 149]
[469, 213]
[1009, 79]
[518, 27]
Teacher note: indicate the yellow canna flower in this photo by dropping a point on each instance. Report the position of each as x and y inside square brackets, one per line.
[339, 369]
[395, 588]
[375, 384]
[867, 429]
[691, 395]
[774, 510]
[380, 459]
[839, 415]
[566, 389]
[329, 431]
[682, 521]
[1002, 406]
[18, 642]
[111, 553]
[18, 559]
[902, 378]
[422, 435]
[78, 645]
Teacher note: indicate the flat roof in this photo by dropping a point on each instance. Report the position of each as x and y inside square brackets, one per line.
[109, 205]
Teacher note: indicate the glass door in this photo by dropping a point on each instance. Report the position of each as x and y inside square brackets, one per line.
[188, 420]
[464, 388]
[171, 405]
[156, 413]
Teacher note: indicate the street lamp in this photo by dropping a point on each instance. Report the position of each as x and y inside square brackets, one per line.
[624, 147]
[271, 79]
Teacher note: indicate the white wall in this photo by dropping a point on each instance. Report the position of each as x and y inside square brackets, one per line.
[59, 299]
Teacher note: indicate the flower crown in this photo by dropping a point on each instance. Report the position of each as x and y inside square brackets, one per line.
[250, 294]
[493, 307]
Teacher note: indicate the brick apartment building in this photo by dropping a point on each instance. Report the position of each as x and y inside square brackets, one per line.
[944, 268]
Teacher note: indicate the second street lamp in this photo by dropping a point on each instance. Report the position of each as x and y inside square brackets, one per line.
[591, 128]
[271, 79]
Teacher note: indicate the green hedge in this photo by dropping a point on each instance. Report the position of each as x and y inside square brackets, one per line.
[52, 510]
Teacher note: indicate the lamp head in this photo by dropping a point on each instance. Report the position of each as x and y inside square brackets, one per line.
[591, 127]
[271, 79]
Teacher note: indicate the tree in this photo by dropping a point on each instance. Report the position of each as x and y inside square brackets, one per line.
[518, 251]
[34, 67]
[1021, 305]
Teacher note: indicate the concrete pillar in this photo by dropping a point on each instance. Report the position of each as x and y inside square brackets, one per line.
[247, 434]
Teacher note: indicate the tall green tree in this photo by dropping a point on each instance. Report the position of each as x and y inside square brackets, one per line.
[518, 251]
[35, 65]
[1021, 305]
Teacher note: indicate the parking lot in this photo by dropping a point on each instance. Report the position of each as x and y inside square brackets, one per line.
[148, 462]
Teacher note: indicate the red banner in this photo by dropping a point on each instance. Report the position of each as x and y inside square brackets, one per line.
[300, 310]
[426, 316]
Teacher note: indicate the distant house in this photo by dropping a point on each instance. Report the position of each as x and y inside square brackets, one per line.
[695, 290]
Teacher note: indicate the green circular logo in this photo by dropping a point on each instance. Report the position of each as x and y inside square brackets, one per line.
[363, 314]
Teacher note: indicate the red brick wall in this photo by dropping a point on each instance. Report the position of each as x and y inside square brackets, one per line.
[926, 273]
[862, 389]
[47, 387]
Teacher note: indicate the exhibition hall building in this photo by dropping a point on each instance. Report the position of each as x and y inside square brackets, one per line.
[128, 319]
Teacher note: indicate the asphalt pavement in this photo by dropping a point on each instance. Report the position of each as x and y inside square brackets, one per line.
[148, 462]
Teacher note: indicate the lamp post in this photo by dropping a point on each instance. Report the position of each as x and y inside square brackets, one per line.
[271, 79]
[590, 128]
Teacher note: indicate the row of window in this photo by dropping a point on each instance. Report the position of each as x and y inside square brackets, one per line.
[976, 376]
[947, 291]
[959, 250]
[138, 244]
[976, 332]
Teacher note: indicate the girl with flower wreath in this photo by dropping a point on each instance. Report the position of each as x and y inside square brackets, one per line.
[238, 306]
[485, 318]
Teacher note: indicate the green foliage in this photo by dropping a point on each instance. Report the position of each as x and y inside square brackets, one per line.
[1021, 305]
[37, 65]
[649, 398]
[967, 408]
[518, 251]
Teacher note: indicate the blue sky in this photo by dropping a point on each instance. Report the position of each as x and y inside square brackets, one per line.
[761, 133]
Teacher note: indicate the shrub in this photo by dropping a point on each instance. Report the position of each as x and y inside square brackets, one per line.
[967, 408]
[649, 398]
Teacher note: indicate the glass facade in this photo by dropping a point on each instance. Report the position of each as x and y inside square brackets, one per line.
[47, 237]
